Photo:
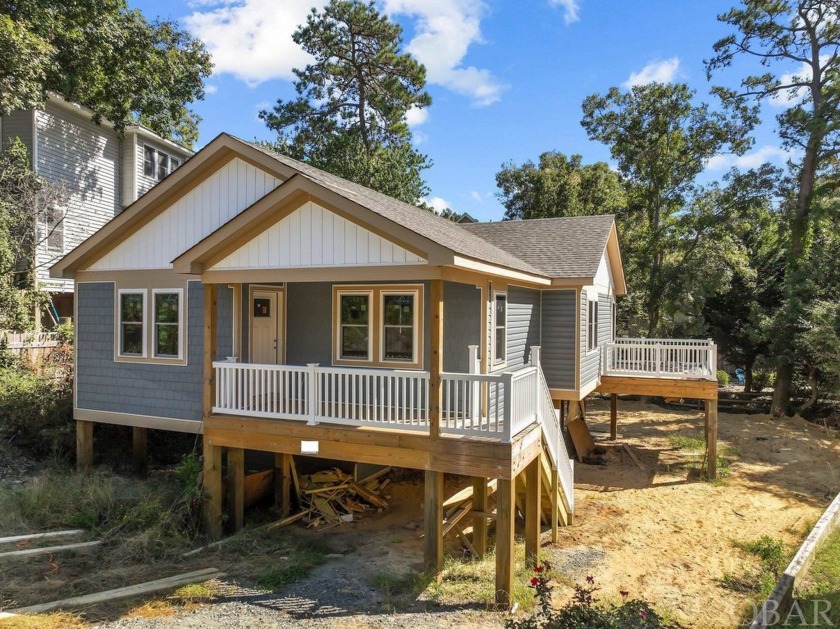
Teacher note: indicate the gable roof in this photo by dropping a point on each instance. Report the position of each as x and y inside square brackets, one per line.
[564, 247]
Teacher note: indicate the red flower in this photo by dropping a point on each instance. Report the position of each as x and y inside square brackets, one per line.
[538, 569]
[534, 581]
[643, 614]
[624, 593]
[590, 579]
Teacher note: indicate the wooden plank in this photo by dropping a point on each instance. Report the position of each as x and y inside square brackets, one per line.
[533, 511]
[505, 507]
[711, 438]
[660, 387]
[210, 296]
[84, 445]
[436, 359]
[213, 488]
[433, 522]
[236, 487]
[282, 483]
[613, 416]
[257, 486]
[582, 440]
[149, 587]
[140, 448]
[555, 506]
[33, 536]
[48, 550]
[371, 497]
[633, 456]
[480, 503]
[295, 481]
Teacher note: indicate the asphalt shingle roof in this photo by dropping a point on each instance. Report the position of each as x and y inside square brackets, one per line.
[570, 246]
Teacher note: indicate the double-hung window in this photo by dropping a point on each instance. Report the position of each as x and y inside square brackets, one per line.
[499, 328]
[51, 230]
[399, 323]
[354, 333]
[157, 164]
[132, 323]
[592, 325]
[167, 323]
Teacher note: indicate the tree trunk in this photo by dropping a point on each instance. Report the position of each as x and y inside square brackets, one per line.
[748, 375]
[812, 399]
[781, 391]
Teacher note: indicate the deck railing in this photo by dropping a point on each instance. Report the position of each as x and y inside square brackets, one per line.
[660, 358]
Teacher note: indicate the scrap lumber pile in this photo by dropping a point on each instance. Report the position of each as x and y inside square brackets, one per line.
[330, 497]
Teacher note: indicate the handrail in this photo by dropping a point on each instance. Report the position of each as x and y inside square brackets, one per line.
[660, 358]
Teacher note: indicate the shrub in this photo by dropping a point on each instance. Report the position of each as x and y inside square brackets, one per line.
[722, 378]
[584, 610]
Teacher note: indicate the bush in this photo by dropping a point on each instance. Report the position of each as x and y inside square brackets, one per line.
[722, 378]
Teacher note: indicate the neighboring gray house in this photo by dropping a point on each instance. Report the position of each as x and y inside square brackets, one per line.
[100, 171]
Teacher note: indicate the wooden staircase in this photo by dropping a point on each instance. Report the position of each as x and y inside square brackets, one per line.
[550, 495]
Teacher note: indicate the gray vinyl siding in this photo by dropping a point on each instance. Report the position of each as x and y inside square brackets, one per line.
[590, 362]
[308, 323]
[18, 124]
[605, 322]
[462, 307]
[523, 326]
[83, 159]
[103, 384]
[224, 322]
[558, 338]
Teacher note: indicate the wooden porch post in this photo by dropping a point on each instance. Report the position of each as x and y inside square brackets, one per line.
[613, 417]
[433, 520]
[282, 483]
[140, 443]
[236, 487]
[533, 511]
[711, 438]
[209, 347]
[480, 503]
[505, 512]
[436, 362]
[555, 505]
[213, 487]
[84, 445]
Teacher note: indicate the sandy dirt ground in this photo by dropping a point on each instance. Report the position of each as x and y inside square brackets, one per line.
[668, 537]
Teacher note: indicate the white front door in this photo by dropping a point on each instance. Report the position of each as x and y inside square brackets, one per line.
[266, 320]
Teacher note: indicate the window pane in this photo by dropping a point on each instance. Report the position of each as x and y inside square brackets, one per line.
[399, 343]
[354, 309]
[354, 341]
[500, 344]
[148, 161]
[166, 340]
[501, 308]
[131, 308]
[175, 163]
[163, 165]
[262, 308]
[399, 309]
[166, 308]
[132, 338]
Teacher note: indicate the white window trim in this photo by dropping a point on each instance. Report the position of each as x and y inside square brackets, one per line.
[496, 362]
[415, 349]
[119, 338]
[168, 291]
[370, 324]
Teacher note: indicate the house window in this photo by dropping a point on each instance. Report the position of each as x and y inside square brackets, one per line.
[51, 230]
[354, 334]
[167, 322]
[398, 316]
[500, 328]
[157, 164]
[592, 326]
[613, 322]
[132, 327]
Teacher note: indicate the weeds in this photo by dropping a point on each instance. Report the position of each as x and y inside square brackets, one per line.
[758, 581]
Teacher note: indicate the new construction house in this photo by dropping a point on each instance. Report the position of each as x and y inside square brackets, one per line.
[271, 306]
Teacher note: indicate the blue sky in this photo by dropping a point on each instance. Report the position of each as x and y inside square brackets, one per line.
[507, 79]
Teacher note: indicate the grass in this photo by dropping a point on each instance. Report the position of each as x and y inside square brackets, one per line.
[822, 583]
[399, 590]
[55, 620]
[694, 446]
[296, 562]
[767, 559]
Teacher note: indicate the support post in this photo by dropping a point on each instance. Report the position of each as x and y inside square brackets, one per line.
[433, 522]
[613, 417]
[140, 443]
[555, 505]
[84, 445]
[283, 483]
[533, 511]
[436, 363]
[213, 488]
[505, 511]
[236, 488]
[480, 504]
[711, 438]
[209, 348]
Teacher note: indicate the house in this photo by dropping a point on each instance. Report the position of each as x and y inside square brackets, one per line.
[271, 306]
[99, 171]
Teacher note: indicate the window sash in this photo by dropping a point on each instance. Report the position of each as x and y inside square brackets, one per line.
[51, 230]
[162, 165]
[167, 324]
[400, 330]
[500, 328]
[354, 341]
[149, 161]
[132, 327]
[592, 326]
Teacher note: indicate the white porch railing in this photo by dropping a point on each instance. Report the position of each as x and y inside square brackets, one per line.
[660, 358]
[25, 340]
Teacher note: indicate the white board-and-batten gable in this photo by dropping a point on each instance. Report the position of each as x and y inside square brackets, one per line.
[311, 237]
[220, 197]
[604, 277]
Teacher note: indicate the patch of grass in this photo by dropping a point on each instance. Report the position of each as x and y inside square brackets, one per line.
[291, 566]
[401, 589]
[688, 441]
[769, 557]
[54, 620]
[822, 583]
[193, 592]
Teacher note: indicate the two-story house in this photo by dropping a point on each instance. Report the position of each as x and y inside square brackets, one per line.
[100, 171]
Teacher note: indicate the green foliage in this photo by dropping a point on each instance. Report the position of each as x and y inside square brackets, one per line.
[559, 186]
[770, 552]
[349, 117]
[693, 442]
[585, 611]
[722, 378]
[188, 473]
[104, 55]
[295, 563]
[821, 581]
[771, 556]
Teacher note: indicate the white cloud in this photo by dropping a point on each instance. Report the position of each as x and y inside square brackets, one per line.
[571, 9]
[415, 116]
[436, 203]
[755, 159]
[211, 89]
[788, 98]
[475, 196]
[654, 72]
[252, 39]
[444, 30]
